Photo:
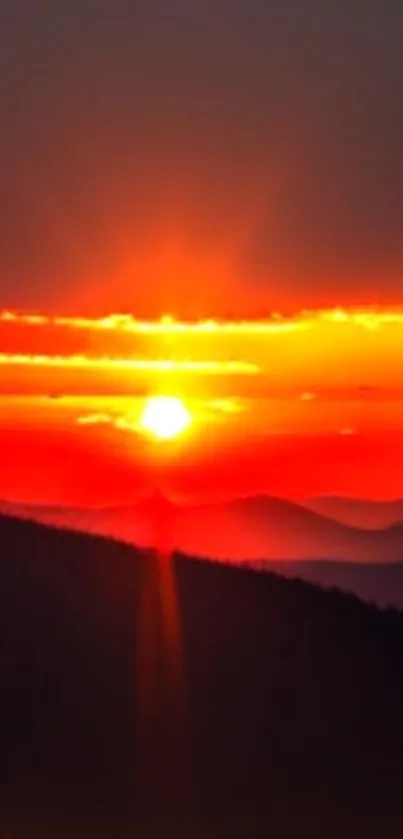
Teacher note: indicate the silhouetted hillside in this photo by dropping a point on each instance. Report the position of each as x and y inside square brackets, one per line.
[378, 584]
[288, 721]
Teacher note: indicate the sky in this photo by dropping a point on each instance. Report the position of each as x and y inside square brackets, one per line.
[293, 407]
[230, 162]
[204, 159]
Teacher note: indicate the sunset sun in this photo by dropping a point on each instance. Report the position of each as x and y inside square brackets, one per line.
[165, 417]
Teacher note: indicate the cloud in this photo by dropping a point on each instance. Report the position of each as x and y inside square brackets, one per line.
[350, 352]
[94, 419]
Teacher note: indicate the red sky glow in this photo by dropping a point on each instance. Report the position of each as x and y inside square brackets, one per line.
[295, 406]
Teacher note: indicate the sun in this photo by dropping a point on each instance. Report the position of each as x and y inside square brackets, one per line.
[165, 417]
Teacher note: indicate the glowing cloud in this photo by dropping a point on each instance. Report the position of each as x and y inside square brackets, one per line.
[135, 364]
[369, 318]
[307, 354]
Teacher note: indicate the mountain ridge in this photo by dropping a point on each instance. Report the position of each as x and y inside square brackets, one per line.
[373, 514]
[254, 528]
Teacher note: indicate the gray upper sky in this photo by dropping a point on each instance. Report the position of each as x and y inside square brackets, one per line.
[142, 142]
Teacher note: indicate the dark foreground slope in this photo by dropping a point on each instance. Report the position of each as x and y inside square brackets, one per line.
[288, 723]
[378, 584]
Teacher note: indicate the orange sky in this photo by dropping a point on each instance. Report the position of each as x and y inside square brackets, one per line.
[296, 407]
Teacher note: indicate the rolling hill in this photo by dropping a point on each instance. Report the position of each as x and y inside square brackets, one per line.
[273, 528]
[287, 722]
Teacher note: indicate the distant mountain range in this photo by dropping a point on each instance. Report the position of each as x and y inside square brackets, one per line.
[251, 529]
[291, 724]
[358, 512]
